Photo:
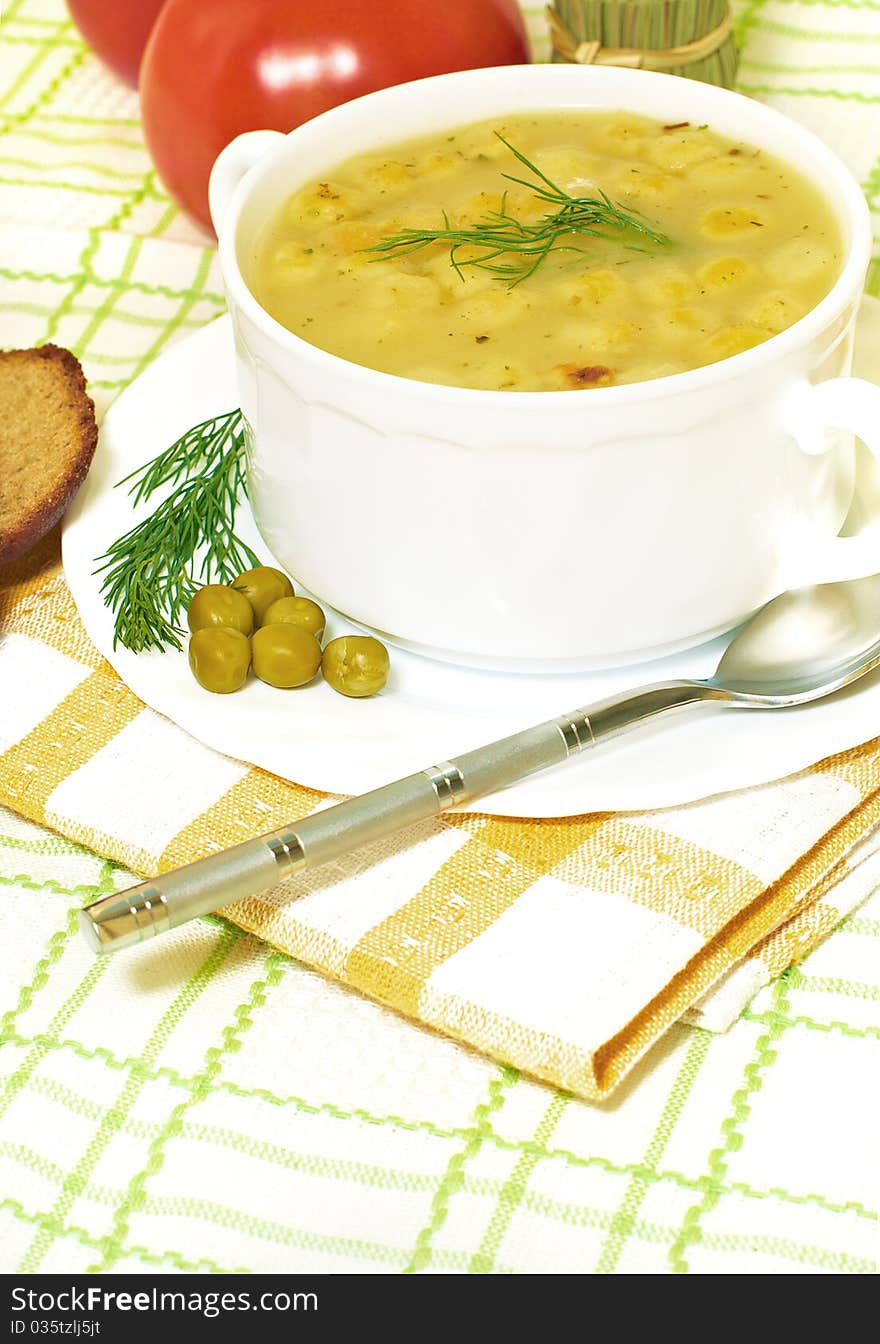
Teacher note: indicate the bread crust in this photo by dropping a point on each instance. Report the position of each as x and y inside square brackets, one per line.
[39, 516]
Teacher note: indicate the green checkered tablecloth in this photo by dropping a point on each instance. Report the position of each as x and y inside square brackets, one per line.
[208, 1104]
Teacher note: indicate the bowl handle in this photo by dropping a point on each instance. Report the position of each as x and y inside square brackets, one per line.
[853, 405]
[232, 164]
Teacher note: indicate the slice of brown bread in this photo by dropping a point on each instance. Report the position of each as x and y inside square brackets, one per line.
[47, 440]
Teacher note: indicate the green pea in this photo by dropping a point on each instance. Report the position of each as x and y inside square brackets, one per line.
[301, 611]
[355, 665]
[220, 658]
[217, 605]
[285, 655]
[263, 586]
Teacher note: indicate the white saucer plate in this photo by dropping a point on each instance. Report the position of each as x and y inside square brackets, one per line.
[430, 710]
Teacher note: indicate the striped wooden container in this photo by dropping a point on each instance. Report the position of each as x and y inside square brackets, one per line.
[693, 38]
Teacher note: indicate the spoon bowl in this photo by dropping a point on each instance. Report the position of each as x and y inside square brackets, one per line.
[805, 644]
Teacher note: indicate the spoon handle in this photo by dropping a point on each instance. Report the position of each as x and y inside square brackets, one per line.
[125, 918]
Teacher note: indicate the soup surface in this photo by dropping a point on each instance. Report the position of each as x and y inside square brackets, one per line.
[700, 248]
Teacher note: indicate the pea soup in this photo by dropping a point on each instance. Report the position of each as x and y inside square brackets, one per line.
[547, 252]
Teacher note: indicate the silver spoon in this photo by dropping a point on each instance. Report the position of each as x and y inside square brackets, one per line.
[802, 646]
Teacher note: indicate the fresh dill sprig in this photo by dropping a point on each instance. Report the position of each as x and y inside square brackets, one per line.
[150, 573]
[499, 234]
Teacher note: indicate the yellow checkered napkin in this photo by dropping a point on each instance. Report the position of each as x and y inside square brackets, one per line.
[565, 948]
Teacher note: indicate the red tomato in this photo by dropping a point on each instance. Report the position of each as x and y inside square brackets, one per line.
[212, 70]
[117, 31]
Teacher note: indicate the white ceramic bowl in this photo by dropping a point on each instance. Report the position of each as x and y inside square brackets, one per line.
[551, 529]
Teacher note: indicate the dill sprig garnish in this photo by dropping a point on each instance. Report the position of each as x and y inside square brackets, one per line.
[499, 233]
[149, 573]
